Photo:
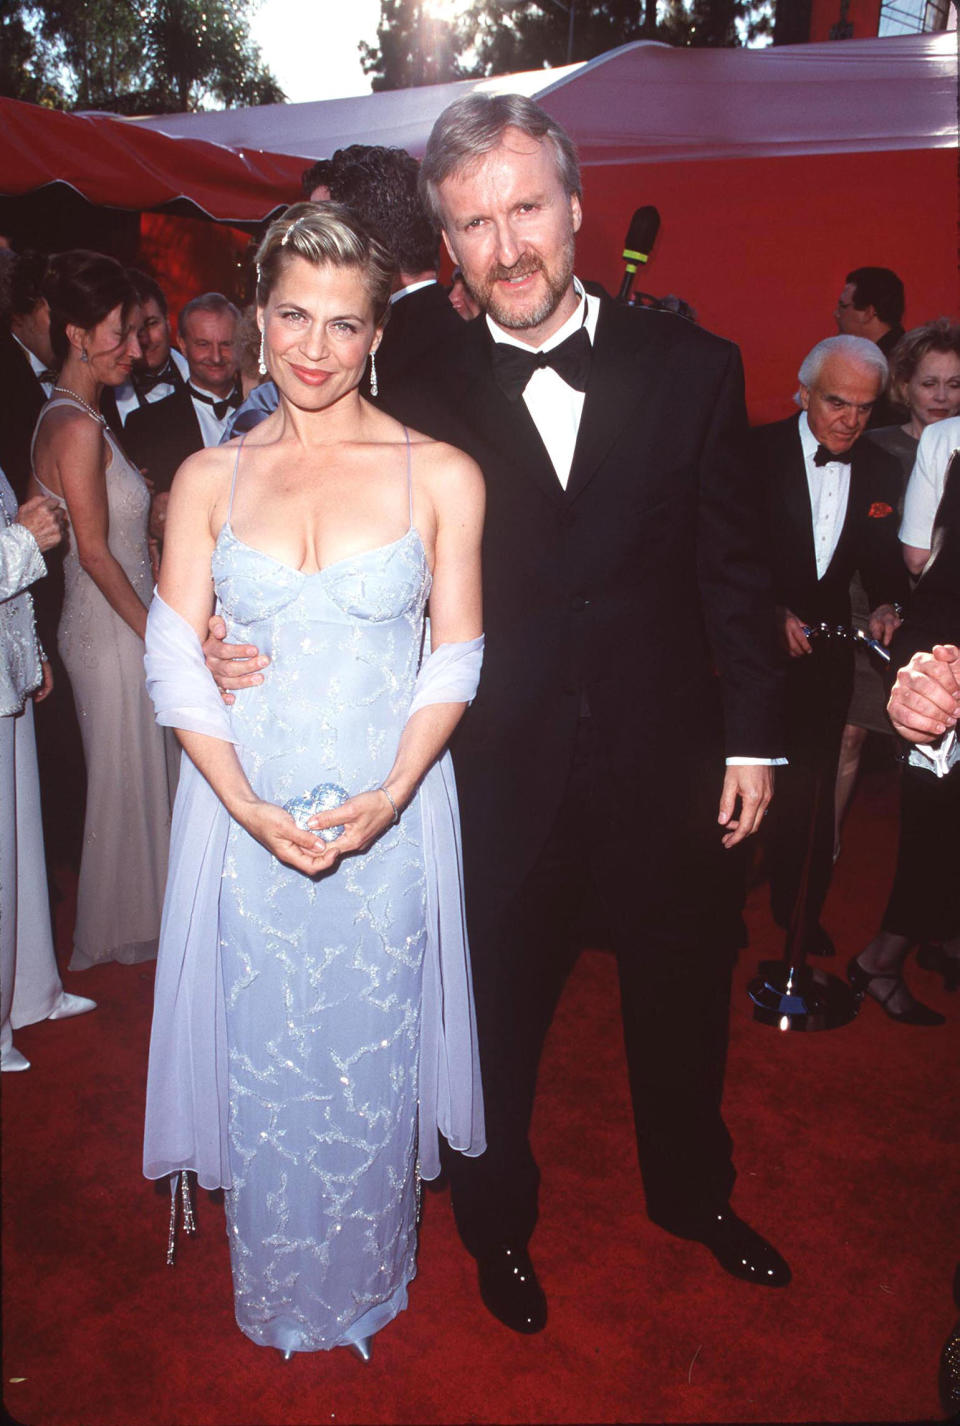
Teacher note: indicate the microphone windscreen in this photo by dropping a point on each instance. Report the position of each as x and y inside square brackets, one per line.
[641, 235]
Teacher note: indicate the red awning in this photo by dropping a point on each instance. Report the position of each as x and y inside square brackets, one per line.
[123, 165]
[642, 104]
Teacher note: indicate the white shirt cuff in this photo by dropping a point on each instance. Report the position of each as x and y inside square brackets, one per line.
[756, 762]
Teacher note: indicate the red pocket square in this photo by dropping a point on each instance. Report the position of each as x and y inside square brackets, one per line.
[879, 510]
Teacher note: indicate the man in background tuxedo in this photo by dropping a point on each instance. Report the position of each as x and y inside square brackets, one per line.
[622, 558]
[27, 378]
[160, 436]
[830, 503]
[379, 185]
[27, 365]
[161, 368]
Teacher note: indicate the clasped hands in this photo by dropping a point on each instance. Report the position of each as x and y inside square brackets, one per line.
[363, 816]
[925, 699]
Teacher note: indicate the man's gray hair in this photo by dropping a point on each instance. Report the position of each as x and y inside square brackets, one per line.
[470, 127]
[857, 350]
[214, 302]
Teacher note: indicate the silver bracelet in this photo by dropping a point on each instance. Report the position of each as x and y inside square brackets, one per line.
[396, 809]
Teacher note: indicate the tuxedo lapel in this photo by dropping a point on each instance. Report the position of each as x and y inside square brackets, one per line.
[624, 387]
[185, 431]
[795, 503]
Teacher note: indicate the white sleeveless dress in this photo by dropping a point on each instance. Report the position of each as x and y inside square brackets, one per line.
[131, 763]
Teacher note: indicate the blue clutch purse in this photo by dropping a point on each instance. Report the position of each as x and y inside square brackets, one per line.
[322, 799]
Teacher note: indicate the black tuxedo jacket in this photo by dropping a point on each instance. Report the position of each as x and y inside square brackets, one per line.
[819, 686]
[22, 399]
[621, 593]
[161, 434]
[868, 540]
[108, 401]
[417, 323]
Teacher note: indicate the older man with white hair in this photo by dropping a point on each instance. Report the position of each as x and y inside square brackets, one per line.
[830, 501]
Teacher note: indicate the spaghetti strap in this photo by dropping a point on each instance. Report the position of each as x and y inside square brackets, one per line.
[406, 437]
[48, 405]
[233, 483]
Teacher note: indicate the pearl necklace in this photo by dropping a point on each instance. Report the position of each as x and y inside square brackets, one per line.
[100, 420]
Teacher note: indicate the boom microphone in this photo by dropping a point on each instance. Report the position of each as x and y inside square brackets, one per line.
[641, 236]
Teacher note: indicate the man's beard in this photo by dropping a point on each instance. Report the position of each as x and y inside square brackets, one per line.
[509, 317]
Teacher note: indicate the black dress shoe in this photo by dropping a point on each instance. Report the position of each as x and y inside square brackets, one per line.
[510, 1289]
[741, 1251]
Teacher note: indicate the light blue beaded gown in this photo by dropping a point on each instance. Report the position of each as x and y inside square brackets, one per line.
[322, 977]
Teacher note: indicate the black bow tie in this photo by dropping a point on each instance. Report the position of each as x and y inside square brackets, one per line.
[824, 457]
[220, 408]
[513, 367]
[145, 381]
[48, 376]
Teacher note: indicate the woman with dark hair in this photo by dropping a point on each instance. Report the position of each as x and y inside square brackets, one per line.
[131, 773]
[313, 1022]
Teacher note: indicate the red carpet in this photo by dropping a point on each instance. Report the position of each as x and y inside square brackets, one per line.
[847, 1146]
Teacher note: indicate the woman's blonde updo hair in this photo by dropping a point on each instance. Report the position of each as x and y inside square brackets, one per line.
[326, 233]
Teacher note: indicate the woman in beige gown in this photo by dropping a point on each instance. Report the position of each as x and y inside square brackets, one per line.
[131, 765]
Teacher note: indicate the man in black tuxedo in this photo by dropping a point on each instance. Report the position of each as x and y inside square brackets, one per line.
[379, 185]
[160, 370]
[27, 366]
[27, 378]
[830, 504]
[160, 436]
[622, 563]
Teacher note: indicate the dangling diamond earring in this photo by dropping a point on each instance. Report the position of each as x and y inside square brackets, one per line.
[262, 363]
[374, 388]
[83, 354]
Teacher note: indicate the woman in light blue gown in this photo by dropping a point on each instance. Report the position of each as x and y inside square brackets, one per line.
[313, 1025]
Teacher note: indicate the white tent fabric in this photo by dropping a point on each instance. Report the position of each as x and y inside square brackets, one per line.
[648, 102]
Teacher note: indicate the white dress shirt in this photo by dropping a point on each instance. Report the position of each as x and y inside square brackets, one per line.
[212, 428]
[829, 487]
[411, 287]
[556, 408]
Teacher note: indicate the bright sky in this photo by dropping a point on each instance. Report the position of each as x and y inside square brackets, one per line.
[311, 45]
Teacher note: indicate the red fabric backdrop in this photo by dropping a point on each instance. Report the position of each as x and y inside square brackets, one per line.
[760, 247]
